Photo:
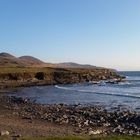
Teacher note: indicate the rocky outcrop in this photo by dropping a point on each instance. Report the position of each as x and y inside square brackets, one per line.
[55, 76]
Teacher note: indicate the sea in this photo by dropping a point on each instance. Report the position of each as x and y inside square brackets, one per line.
[121, 96]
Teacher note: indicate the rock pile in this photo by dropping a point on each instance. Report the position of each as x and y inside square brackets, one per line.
[92, 120]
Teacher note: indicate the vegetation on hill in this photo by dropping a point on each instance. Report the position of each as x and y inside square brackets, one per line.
[8, 60]
[15, 76]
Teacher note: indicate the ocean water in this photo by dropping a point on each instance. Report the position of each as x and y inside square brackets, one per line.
[125, 95]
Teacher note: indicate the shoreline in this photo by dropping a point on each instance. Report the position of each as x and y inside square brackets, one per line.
[20, 116]
[25, 77]
[73, 120]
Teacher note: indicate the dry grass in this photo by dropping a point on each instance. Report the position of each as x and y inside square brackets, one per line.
[45, 69]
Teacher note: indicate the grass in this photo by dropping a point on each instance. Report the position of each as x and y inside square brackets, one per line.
[45, 69]
[24, 70]
[83, 138]
[117, 138]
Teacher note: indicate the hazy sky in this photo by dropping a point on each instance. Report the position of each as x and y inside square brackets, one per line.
[99, 32]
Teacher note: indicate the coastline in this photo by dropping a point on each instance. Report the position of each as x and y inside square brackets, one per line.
[20, 116]
[23, 77]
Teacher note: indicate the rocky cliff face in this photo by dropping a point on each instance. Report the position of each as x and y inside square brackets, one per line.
[55, 76]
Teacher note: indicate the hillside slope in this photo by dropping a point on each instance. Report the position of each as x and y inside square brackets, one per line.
[8, 60]
[31, 60]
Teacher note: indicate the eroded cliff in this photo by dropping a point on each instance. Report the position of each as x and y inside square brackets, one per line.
[14, 77]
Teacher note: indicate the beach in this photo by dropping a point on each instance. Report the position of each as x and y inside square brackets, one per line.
[67, 109]
[21, 117]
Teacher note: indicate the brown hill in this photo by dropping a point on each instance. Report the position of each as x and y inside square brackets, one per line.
[6, 55]
[8, 60]
[75, 65]
[31, 60]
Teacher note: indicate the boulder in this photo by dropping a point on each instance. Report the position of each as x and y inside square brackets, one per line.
[95, 132]
[4, 133]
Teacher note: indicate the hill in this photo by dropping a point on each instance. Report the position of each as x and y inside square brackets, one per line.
[8, 60]
[6, 55]
[31, 60]
[75, 65]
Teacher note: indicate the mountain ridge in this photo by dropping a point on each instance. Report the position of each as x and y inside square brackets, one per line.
[8, 60]
[75, 65]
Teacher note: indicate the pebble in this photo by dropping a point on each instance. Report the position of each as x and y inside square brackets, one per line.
[82, 117]
[96, 132]
[4, 133]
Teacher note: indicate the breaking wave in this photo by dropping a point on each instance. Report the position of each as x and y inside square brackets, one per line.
[101, 92]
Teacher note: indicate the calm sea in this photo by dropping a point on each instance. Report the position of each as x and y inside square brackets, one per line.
[125, 94]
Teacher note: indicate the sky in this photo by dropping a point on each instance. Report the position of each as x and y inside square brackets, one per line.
[99, 32]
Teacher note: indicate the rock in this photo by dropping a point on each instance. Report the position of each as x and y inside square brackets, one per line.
[103, 78]
[83, 117]
[118, 130]
[27, 117]
[19, 100]
[106, 124]
[95, 82]
[96, 132]
[4, 133]
[86, 122]
[65, 116]
[16, 136]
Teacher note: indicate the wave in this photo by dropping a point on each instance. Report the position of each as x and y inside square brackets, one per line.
[133, 78]
[125, 83]
[65, 88]
[98, 92]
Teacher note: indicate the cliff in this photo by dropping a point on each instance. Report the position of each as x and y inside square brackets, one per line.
[15, 77]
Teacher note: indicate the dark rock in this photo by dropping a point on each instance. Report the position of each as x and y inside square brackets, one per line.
[82, 117]
[40, 75]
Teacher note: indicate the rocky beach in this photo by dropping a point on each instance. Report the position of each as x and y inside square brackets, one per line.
[69, 70]
[22, 117]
